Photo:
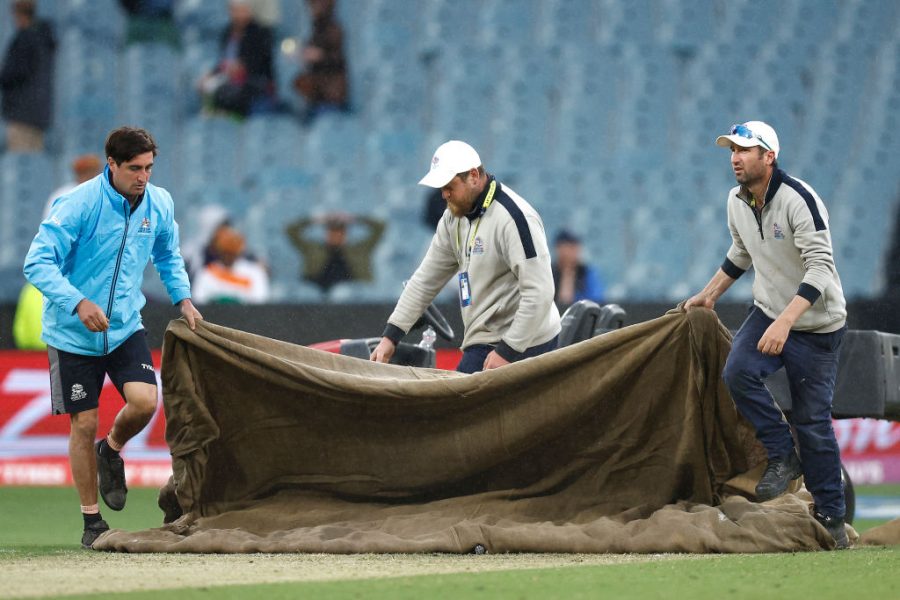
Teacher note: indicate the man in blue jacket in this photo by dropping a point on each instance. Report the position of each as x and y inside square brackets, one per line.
[88, 260]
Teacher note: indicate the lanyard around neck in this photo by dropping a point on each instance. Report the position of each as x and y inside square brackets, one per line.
[484, 206]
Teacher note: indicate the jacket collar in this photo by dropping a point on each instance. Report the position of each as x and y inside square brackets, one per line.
[778, 177]
[113, 194]
[478, 206]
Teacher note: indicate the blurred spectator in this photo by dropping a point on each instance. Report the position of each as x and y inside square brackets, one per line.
[892, 283]
[323, 83]
[336, 259]
[574, 280]
[435, 205]
[267, 12]
[151, 21]
[232, 278]
[84, 167]
[243, 82]
[197, 247]
[26, 80]
[27, 322]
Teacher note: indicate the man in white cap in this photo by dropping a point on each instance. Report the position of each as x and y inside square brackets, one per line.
[779, 225]
[493, 241]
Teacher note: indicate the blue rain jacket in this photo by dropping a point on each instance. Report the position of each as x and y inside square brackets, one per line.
[92, 246]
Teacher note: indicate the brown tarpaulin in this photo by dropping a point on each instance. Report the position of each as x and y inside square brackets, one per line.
[623, 443]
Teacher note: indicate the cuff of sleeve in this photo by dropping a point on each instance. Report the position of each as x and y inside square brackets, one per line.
[809, 292]
[507, 353]
[393, 333]
[732, 270]
[74, 305]
[179, 297]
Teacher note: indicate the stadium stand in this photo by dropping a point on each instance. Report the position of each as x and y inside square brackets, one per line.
[25, 184]
[600, 112]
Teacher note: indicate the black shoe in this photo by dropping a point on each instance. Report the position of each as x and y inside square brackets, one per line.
[92, 532]
[835, 527]
[111, 477]
[779, 474]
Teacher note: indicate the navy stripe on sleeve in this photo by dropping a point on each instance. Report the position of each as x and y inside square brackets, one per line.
[810, 201]
[521, 223]
[393, 333]
[732, 270]
[507, 353]
[809, 292]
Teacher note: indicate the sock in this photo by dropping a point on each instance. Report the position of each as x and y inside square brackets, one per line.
[90, 517]
[113, 444]
[106, 450]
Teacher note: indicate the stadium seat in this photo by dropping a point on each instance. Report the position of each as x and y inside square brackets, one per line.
[334, 140]
[148, 99]
[200, 18]
[25, 184]
[100, 20]
[355, 292]
[209, 151]
[268, 141]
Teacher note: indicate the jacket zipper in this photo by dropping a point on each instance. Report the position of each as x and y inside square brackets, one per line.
[758, 216]
[112, 291]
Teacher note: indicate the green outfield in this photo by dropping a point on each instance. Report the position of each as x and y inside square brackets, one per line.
[39, 557]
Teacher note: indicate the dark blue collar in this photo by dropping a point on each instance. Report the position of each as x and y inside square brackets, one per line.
[778, 177]
[478, 206]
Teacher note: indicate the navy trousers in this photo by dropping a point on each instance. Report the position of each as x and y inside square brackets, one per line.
[472, 360]
[810, 361]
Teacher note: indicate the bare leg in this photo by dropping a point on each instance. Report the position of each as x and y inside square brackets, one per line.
[82, 459]
[140, 404]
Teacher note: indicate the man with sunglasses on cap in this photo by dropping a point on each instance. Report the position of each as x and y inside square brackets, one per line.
[779, 226]
[493, 241]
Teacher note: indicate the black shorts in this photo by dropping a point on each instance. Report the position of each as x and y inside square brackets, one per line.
[76, 380]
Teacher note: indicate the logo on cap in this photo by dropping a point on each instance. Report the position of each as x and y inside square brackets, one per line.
[435, 161]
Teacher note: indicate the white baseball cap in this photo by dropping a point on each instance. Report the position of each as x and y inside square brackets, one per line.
[749, 134]
[449, 160]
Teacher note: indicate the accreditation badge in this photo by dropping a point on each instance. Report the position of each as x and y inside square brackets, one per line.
[465, 294]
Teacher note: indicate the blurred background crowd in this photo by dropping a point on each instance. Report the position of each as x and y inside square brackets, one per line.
[292, 133]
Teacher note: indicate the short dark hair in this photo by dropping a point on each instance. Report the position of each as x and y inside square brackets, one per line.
[567, 237]
[125, 143]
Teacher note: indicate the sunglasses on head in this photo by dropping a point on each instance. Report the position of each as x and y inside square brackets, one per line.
[746, 132]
